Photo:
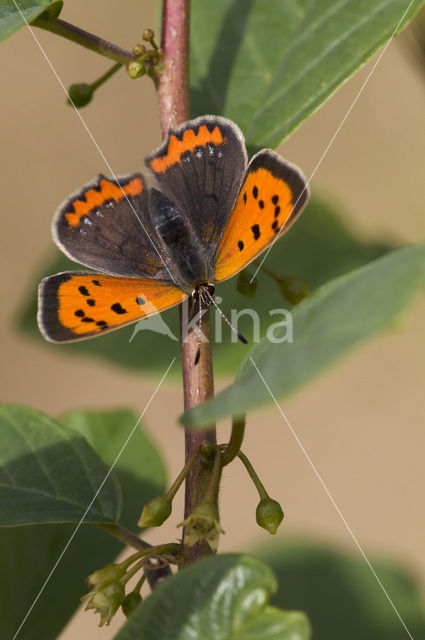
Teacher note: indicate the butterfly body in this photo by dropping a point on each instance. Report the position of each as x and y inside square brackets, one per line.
[198, 216]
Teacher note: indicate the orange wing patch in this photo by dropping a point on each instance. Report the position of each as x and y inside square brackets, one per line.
[189, 142]
[74, 306]
[266, 206]
[96, 197]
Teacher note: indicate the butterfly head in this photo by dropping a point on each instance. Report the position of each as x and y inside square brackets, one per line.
[203, 293]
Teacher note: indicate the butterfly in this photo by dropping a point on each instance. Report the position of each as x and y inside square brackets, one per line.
[197, 216]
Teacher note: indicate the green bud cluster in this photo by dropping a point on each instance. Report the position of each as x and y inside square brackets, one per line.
[108, 590]
[106, 600]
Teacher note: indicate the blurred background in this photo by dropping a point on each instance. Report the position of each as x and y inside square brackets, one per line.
[362, 423]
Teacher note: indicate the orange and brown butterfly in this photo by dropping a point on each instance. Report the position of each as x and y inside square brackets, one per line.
[198, 216]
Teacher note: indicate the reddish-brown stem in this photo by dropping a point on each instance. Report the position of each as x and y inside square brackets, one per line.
[173, 86]
[173, 93]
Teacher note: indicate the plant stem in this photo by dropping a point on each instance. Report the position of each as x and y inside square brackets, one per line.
[98, 83]
[126, 536]
[173, 95]
[182, 475]
[173, 87]
[253, 475]
[154, 576]
[235, 442]
[198, 386]
[88, 40]
[211, 494]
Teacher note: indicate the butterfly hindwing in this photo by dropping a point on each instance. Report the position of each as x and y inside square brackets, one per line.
[272, 196]
[200, 167]
[106, 226]
[76, 305]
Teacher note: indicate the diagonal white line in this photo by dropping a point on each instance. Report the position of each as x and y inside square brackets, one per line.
[83, 122]
[332, 140]
[328, 493]
[93, 500]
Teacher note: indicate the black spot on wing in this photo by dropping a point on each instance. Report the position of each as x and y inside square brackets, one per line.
[255, 191]
[79, 313]
[118, 308]
[91, 302]
[84, 291]
[275, 199]
[240, 245]
[97, 283]
[256, 231]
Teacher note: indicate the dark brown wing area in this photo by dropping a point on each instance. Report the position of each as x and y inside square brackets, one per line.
[106, 226]
[200, 167]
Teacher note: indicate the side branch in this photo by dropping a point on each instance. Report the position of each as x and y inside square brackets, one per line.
[86, 39]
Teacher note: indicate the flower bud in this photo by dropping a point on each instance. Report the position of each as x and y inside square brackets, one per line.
[130, 602]
[139, 50]
[292, 289]
[135, 69]
[148, 35]
[156, 512]
[269, 515]
[245, 286]
[111, 573]
[105, 601]
[203, 524]
[80, 94]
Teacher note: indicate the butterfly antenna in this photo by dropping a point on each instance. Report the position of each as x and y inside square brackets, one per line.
[199, 325]
[239, 335]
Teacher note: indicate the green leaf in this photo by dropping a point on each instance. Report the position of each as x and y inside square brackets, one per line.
[219, 598]
[317, 248]
[140, 469]
[269, 64]
[341, 596]
[13, 17]
[48, 473]
[28, 554]
[336, 318]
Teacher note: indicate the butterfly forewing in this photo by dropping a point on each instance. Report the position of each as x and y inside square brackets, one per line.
[272, 196]
[106, 226]
[76, 305]
[200, 167]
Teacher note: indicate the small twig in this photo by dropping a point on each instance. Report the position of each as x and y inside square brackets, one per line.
[253, 475]
[124, 535]
[235, 442]
[86, 39]
[154, 575]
